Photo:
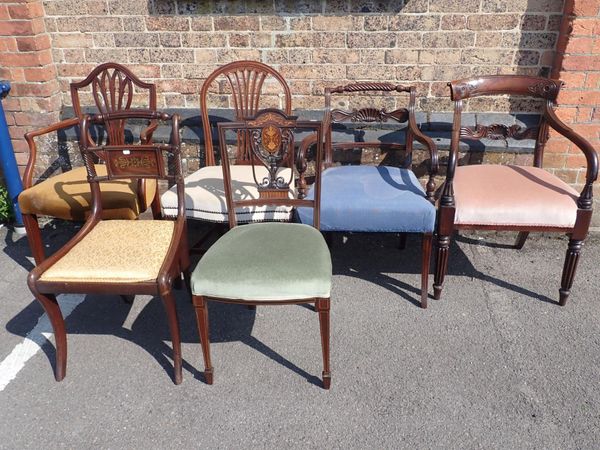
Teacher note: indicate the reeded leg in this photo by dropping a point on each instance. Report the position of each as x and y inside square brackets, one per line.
[322, 305]
[52, 309]
[402, 243]
[34, 237]
[521, 238]
[203, 331]
[170, 308]
[441, 265]
[571, 260]
[425, 262]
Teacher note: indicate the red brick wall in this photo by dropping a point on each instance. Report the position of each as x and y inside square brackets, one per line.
[26, 61]
[577, 63]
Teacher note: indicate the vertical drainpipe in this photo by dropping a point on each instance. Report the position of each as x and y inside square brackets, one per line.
[9, 163]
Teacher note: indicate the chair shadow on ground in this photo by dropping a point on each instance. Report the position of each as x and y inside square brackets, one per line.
[374, 256]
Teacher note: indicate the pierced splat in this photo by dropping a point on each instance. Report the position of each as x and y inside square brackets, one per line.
[498, 131]
[369, 115]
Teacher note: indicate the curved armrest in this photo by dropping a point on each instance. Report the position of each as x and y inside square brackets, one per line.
[301, 165]
[588, 150]
[427, 142]
[30, 138]
[146, 133]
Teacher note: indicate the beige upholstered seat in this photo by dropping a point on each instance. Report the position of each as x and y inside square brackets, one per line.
[116, 251]
[68, 196]
[205, 195]
[512, 195]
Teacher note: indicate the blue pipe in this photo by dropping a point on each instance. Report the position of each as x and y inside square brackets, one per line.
[7, 158]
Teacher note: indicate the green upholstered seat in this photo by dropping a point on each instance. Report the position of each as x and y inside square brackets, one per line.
[265, 261]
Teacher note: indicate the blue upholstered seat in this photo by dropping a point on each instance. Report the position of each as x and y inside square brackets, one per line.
[372, 199]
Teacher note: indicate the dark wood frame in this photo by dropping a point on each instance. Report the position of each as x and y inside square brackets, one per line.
[547, 90]
[377, 115]
[112, 92]
[245, 80]
[265, 118]
[176, 260]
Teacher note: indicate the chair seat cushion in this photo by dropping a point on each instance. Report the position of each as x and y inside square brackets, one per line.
[512, 195]
[68, 196]
[265, 262]
[372, 199]
[205, 196]
[116, 251]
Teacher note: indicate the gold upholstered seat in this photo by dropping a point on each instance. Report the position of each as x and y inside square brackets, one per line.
[116, 251]
[68, 196]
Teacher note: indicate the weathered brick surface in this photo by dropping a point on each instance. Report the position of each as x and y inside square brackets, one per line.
[176, 44]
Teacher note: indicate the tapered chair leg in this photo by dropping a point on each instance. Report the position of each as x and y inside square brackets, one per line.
[52, 309]
[568, 274]
[441, 265]
[34, 237]
[425, 262]
[521, 238]
[171, 310]
[323, 306]
[203, 331]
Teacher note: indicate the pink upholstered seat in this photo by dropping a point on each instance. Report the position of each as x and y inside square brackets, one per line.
[512, 195]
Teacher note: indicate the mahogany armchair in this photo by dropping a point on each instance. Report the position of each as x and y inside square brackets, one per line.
[125, 257]
[512, 197]
[266, 263]
[377, 198]
[67, 195]
[251, 86]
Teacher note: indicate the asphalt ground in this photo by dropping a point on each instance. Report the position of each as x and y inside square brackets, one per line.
[495, 364]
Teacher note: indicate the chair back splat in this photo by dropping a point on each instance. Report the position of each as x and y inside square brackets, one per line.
[271, 145]
[248, 86]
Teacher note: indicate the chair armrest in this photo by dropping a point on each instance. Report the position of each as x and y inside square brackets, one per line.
[585, 198]
[146, 133]
[434, 165]
[30, 138]
[300, 162]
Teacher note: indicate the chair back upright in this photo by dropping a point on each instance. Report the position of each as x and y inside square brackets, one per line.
[272, 141]
[133, 161]
[246, 87]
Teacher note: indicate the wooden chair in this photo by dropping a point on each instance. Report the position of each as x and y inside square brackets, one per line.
[67, 195]
[266, 263]
[251, 86]
[512, 197]
[377, 198]
[124, 257]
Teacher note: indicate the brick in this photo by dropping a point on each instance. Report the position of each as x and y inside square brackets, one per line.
[134, 24]
[22, 27]
[585, 27]
[96, 7]
[72, 40]
[35, 89]
[261, 40]
[406, 22]
[136, 39]
[103, 39]
[8, 44]
[4, 12]
[538, 40]
[77, 55]
[488, 56]
[329, 72]
[401, 56]
[481, 22]
[448, 39]
[580, 45]
[375, 23]
[454, 6]
[533, 22]
[204, 40]
[568, 176]
[28, 44]
[46, 73]
[371, 40]
[166, 23]
[329, 23]
[527, 58]
[29, 59]
[592, 79]
[171, 71]
[581, 63]
[554, 160]
[230, 55]
[129, 7]
[26, 10]
[453, 22]
[202, 24]
[271, 23]
[576, 161]
[370, 72]
[328, 56]
[300, 23]
[372, 56]
[586, 8]
[96, 24]
[299, 39]
[170, 39]
[236, 23]
[98, 55]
